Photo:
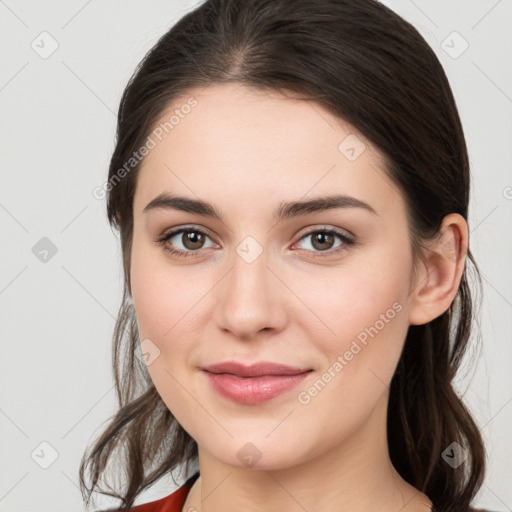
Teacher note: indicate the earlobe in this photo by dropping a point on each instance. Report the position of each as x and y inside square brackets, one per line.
[438, 282]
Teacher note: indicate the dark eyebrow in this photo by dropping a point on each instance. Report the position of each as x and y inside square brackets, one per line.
[285, 210]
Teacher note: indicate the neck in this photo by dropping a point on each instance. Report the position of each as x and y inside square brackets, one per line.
[356, 475]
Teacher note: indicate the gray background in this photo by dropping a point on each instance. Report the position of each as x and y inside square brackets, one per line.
[57, 131]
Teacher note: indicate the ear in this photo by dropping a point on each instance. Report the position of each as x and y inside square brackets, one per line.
[438, 277]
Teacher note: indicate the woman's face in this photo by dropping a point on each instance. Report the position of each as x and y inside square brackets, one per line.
[253, 285]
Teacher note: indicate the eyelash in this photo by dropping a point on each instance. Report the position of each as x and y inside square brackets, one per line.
[347, 242]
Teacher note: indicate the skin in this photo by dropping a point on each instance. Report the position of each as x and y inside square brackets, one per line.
[246, 152]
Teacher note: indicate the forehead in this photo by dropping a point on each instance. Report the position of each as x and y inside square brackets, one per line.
[235, 142]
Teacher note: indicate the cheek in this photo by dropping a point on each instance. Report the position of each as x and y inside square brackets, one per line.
[344, 303]
[166, 298]
[365, 309]
[169, 302]
[359, 325]
[370, 324]
[164, 303]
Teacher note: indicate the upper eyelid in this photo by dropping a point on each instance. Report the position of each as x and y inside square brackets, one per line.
[336, 230]
[181, 229]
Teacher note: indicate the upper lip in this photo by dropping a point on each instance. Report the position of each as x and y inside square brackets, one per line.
[254, 370]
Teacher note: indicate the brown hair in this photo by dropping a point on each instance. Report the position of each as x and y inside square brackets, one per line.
[368, 66]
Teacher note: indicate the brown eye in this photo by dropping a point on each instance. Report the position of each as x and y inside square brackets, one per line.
[192, 240]
[326, 242]
[185, 242]
[322, 240]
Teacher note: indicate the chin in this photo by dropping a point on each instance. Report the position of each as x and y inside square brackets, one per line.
[259, 453]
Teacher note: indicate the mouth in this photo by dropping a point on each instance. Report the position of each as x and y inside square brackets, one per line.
[260, 369]
[253, 384]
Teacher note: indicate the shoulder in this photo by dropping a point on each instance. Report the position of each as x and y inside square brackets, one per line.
[172, 503]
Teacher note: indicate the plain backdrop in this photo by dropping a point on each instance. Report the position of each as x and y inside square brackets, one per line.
[63, 67]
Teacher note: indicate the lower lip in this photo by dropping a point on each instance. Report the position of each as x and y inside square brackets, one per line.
[253, 390]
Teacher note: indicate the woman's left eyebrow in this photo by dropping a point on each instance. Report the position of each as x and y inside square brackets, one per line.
[285, 210]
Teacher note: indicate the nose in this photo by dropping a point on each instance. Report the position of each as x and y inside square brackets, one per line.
[251, 299]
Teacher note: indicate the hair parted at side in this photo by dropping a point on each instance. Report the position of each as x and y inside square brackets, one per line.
[368, 66]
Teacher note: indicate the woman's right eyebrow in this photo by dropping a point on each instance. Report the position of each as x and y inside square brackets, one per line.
[285, 210]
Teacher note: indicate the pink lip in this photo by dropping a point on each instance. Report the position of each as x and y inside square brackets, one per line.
[253, 384]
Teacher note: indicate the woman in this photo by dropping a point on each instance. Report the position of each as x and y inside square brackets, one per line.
[291, 186]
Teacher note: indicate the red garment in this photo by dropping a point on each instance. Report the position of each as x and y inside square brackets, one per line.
[172, 503]
[175, 501]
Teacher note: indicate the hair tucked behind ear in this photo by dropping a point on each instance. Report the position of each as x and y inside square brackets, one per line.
[422, 397]
[371, 68]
